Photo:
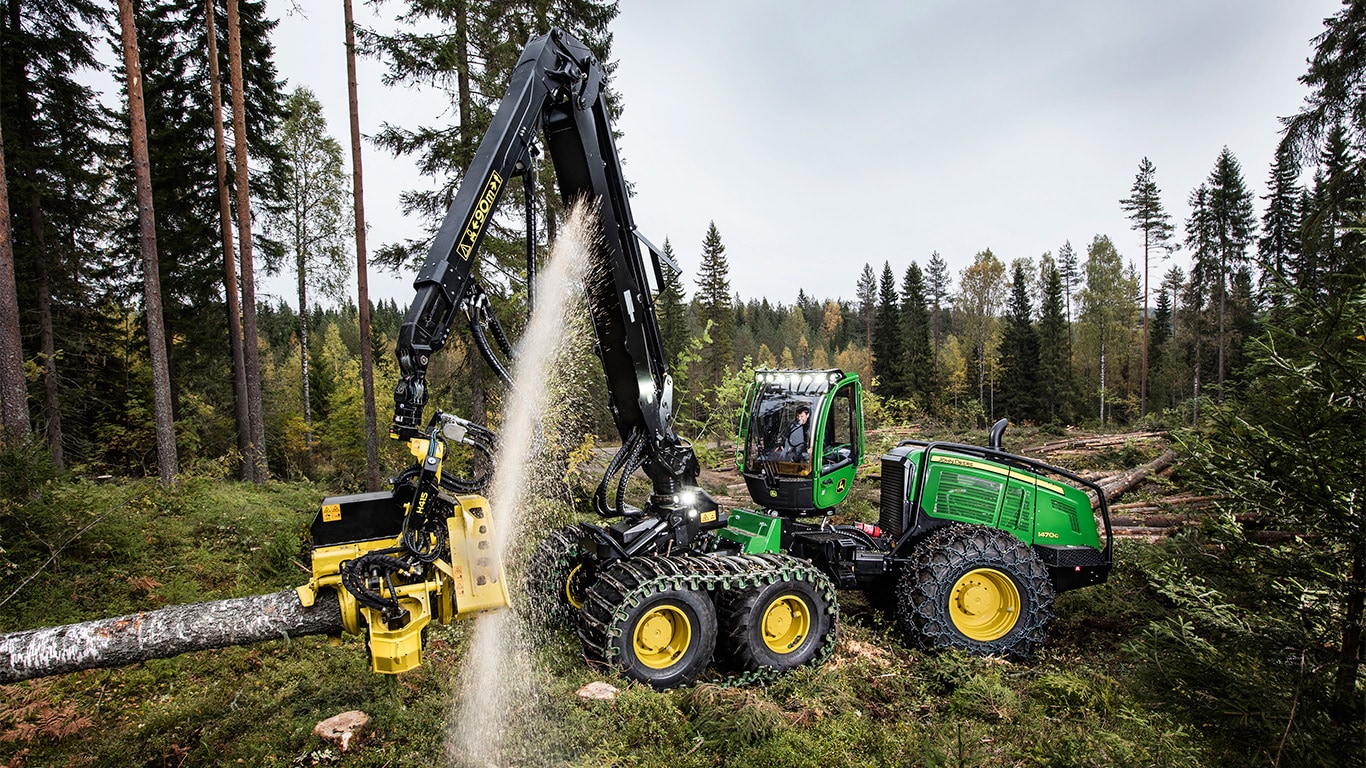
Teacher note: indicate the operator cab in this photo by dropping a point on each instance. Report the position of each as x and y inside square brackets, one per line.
[801, 438]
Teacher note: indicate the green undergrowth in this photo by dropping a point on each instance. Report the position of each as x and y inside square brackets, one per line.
[1087, 700]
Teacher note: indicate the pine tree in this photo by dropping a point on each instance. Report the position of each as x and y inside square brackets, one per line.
[1144, 207]
[715, 306]
[938, 290]
[468, 62]
[1070, 269]
[367, 361]
[888, 363]
[14, 424]
[167, 460]
[1020, 354]
[1055, 355]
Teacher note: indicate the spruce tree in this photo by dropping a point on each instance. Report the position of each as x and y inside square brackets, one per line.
[58, 157]
[866, 293]
[1233, 228]
[1279, 246]
[673, 314]
[888, 363]
[1020, 354]
[1055, 357]
[1144, 207]
[715, 305]
[918, 350]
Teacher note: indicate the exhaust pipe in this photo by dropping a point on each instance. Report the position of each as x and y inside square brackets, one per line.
[994, 438]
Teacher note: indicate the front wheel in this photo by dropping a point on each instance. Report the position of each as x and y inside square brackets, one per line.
[978, 589]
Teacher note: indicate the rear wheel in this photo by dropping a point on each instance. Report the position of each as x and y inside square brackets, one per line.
[778, 626]
[975, 588]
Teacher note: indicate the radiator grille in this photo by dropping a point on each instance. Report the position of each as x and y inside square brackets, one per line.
[965, 497]
[1068, 508]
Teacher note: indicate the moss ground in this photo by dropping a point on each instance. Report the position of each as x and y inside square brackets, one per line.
[876, 703]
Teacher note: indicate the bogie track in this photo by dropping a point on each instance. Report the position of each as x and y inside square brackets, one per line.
[655, 617]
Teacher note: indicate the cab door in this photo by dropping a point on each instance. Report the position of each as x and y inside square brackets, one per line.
[839, 443]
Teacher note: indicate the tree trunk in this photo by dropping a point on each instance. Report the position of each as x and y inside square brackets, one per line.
[250, 353]
[47, 347]
[1143, 386]
[1117, 485]
[14, 424]
[1349, 655]
[164, 633]
[367, 354]
[241, 409]
[1223, 291]
[167, 464]
[303, 363]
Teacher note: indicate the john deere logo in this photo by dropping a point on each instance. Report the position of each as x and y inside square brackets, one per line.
[839, 487]
[774, 494]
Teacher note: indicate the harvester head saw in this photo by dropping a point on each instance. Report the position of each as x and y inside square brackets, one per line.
[424, 550]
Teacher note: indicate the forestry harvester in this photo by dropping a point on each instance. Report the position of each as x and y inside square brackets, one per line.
[971, 545]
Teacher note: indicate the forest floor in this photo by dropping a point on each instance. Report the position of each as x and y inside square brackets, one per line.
[1084, 700]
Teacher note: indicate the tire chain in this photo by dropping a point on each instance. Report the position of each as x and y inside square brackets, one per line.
[927, 576]
[626, 582]
[550, 564]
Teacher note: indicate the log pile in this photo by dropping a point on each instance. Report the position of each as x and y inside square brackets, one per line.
[1100, 441]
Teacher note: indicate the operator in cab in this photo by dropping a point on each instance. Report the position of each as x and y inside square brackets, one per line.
[798, 441]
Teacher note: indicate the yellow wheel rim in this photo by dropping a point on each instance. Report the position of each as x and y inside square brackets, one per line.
[786, 623]
[984, 604]
[662, 636]
[569, 588]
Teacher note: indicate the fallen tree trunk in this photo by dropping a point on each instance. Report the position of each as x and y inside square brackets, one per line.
[1120, 483]
[164, 633]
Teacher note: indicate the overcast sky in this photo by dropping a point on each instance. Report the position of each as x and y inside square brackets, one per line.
[823, 136]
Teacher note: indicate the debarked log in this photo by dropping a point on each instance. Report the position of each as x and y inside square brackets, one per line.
[164, 633]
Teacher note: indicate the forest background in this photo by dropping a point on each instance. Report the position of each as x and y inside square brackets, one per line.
[1255, 351]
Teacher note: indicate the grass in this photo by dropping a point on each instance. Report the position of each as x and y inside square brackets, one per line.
[875, 703]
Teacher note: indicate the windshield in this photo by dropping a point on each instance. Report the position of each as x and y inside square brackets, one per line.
[781, 429]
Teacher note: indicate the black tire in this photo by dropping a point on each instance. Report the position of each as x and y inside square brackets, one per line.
[678, 626]
[557, 580]
[975, 588]
[653, 629]
[778, 626]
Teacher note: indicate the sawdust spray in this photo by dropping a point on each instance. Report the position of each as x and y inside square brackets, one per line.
[498, 687]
